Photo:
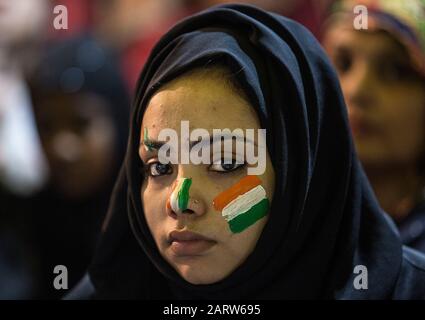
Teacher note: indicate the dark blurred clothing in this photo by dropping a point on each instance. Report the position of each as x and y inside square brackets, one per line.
[412, 228]
[66, 235]
[18, 261]
[59, 229]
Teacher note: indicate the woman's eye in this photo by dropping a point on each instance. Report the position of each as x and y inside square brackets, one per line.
[343, 61]
[158, 169]
[395, 72]
[389, 72]
[221, 166]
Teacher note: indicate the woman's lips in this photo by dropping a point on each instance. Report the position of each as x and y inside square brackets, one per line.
[360, 127]
[187, 243]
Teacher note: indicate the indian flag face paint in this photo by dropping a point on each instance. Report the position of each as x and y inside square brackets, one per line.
[179, 198]
[243, 204]
[146, 141]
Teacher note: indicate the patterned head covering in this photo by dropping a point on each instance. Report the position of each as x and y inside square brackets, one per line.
[405, 20]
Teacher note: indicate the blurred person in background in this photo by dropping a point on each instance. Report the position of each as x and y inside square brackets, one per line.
[23, 168]
[310, 13]
[132, 27]
[81, 106]
[382, 73]
[22, 24]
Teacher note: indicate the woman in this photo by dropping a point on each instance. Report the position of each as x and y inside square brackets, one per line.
[240, 67]
[81, 107]
[382, 74]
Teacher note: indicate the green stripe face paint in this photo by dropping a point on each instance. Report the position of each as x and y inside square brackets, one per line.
[146, 140]
[243, 204]
[248, 218]
[183, 195]
[179, 198]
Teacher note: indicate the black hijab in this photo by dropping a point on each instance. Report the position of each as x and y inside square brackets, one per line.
[324, 219]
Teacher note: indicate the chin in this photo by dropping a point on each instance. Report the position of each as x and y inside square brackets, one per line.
[197, 275]
[371, 155]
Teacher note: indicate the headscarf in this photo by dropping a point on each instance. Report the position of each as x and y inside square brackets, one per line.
[324, 219]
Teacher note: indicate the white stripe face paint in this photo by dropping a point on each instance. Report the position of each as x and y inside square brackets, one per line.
[180, 196]
[174, 203]
[243, 203]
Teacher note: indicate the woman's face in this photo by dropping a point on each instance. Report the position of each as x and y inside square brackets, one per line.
[385, 97]
[79, 140]
[206, 102]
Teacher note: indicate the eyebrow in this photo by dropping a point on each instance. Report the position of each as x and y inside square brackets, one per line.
[153, 144]
[156, 145]
[393, 57]
[386, 53]
[215, 139]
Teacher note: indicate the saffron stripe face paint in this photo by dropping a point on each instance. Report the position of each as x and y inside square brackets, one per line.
[244, 185]
[243, 204]
[179, 198]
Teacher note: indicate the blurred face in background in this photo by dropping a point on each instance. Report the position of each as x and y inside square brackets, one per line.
[273, 5]
[119, 22]
[384, 94]
[78, 136]
[22, 20]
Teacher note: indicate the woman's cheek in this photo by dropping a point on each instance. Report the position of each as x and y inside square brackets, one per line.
[149, 199]
[404, 144]
[243, 204]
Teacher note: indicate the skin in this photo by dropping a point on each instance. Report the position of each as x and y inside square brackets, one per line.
[273, 5]
[23, 25]
[211, 97]
[386, 108]
[78, 139]
[22, 20]
[121, 22]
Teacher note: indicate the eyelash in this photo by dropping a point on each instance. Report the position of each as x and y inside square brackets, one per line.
[238, 166]
[148, 169]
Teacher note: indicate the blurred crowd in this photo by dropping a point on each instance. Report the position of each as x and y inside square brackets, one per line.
[65, 98]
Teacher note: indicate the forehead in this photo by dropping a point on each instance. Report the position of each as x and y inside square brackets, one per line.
[364, 43]
[206, 101]
[62, 105]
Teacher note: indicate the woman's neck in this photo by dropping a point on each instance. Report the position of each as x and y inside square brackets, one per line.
[19, 59]
[8, 63]
[398, 190]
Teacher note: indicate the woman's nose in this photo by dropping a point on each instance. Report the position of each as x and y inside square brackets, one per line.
[67, 146]
[359, 88]
[185, 199]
